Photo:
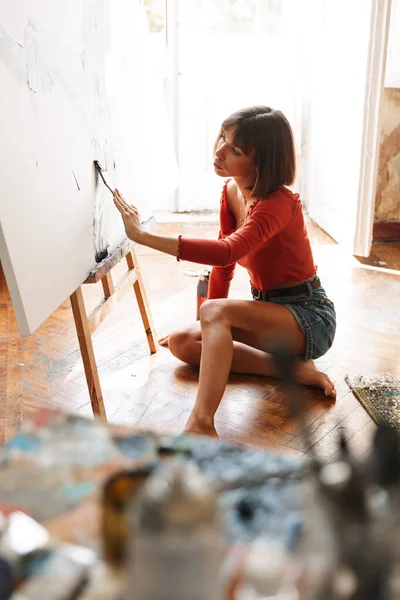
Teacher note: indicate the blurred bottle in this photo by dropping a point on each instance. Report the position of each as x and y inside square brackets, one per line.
[202, 290]
[176, 539]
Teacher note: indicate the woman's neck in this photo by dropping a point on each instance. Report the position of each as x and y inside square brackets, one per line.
[244, 187]
[244, 191]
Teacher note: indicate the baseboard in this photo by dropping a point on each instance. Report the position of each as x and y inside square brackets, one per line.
[388, 231]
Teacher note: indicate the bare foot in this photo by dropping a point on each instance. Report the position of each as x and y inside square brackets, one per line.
[164, 341]
[196, 426]
[307, 374]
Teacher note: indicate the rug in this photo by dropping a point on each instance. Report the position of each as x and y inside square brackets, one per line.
[380, 397]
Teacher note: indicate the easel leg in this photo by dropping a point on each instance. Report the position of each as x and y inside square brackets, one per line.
[86, 346]
[108, 285]
[142, 302]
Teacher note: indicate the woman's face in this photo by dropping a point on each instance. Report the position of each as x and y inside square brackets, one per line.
[230, 160]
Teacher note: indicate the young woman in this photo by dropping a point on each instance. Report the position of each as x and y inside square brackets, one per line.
[262, 228]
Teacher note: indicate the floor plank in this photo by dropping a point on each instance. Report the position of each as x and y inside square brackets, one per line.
[158, 392]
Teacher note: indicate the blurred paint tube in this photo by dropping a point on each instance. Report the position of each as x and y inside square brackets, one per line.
[64, 575]
[21, 537]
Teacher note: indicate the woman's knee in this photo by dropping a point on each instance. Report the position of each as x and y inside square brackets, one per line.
[213, 311]
[182, 344]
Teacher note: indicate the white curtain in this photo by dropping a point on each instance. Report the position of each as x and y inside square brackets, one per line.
[231, 55]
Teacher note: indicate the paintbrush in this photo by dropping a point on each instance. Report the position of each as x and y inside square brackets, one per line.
[105, 176]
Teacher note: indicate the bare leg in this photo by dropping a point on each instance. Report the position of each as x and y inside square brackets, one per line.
[248, 359]
[221, 321]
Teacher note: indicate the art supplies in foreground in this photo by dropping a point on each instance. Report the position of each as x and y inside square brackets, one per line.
[176, 538]
[61, 577]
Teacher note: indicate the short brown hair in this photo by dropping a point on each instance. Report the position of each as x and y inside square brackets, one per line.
[269, 133]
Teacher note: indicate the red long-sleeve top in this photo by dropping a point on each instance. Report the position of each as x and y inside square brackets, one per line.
[272, 244]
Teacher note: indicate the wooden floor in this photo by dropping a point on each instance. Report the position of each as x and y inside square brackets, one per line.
[158, 392]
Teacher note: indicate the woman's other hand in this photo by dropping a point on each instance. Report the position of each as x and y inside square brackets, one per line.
[130, 216]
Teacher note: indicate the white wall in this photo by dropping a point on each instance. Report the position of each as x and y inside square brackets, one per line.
[76, 85]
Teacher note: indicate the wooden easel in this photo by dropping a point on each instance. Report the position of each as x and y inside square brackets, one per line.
[86, 325]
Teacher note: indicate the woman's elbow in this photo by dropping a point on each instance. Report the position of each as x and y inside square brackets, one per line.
[224, 261]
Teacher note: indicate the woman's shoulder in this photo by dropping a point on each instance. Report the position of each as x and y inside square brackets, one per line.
[227, 216]
[281, 202]
[282, 196]
[229, 191]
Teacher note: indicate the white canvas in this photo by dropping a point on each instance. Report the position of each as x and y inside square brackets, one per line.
[76, 85]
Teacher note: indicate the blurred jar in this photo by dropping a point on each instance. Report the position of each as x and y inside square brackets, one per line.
[176, 537]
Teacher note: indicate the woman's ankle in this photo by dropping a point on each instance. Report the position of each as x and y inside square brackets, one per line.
[201, 419]
[200, 428]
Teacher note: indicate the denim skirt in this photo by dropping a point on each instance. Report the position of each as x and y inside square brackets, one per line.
[315, 315]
